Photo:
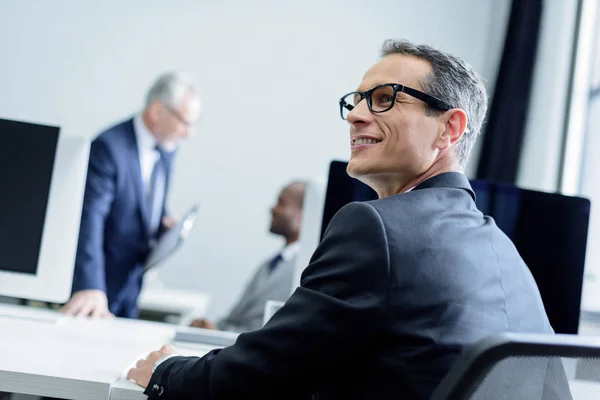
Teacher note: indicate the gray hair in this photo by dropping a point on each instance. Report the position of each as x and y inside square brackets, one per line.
[169, 89]
[453, 81]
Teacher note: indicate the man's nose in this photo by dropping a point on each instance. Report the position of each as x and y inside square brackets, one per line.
[360, 114]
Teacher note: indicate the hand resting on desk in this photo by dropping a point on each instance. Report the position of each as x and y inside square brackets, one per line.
[142, 372]
[88, 303]
[203, 323]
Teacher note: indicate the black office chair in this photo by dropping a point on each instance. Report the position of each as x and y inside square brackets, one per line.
[525, 367]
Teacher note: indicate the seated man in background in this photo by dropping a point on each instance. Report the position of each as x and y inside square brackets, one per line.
[399, 286]
[273, 279]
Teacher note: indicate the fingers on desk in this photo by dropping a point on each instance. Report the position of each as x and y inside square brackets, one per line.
[168, 349]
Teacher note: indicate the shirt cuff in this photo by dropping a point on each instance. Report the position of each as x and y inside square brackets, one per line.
[161, 360]
[156, 387]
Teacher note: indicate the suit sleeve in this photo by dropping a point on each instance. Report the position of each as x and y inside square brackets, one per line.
[341, 301]
[99, 194]
[232, 321]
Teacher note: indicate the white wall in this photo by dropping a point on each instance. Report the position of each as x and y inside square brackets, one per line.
[270, 74]
[540, 160]
[584, 142]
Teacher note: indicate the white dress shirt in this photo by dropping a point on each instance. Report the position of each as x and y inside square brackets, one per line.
[147, 153]
[290, 251]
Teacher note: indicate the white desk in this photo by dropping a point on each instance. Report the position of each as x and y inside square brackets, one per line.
[186, 304]
[158, 297]
[48, 354]
[124, 389]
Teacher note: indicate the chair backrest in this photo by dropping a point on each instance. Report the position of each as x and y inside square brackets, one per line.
[550, 232]
[525, 366]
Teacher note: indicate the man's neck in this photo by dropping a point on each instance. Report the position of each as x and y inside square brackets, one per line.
[291, 239]
[396, 184]
[148, 122]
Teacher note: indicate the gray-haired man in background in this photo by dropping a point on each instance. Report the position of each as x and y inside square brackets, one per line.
[125, 196]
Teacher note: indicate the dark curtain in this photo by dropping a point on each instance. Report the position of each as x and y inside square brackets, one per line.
[503, 138]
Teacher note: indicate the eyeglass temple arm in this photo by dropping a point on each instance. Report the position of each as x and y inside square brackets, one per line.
[432, 101]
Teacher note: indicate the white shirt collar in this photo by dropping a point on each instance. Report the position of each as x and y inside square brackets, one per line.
[145, 138]
[290, 251]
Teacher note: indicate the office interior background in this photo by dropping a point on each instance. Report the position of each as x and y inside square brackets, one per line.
[270, 75]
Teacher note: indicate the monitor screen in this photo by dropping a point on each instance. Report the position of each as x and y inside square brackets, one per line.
[549, 230]
[42, 176]
[341, 190]
[27, 158]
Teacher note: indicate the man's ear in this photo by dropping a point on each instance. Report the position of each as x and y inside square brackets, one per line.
[155, 111]
[453, 126]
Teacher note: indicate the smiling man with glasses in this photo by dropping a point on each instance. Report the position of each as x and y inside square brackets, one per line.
[399, 286]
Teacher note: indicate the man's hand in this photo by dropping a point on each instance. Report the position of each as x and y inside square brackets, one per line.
[203, 323]
[88, 302]
[169, 222]
[142, 372]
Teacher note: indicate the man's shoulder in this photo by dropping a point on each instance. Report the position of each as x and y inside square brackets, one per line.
[396, 205]
[412, 202]
[116, 133]
[357, 210]
[355, 219]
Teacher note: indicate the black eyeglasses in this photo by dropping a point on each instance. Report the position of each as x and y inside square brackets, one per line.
[382, 98]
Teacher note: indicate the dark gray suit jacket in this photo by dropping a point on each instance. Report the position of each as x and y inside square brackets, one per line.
[393, 294]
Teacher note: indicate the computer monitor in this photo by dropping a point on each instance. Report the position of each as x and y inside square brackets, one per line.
[310, 231]
[549, 230]
[42, 179]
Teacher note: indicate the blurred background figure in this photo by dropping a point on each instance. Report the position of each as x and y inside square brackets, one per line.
[273, 279]
[126, 192]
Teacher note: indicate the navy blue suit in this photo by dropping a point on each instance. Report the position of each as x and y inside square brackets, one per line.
[114, 237]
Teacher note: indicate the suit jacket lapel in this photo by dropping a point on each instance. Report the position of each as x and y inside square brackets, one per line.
[133, 160]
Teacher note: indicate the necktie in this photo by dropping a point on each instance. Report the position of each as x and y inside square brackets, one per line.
[274, 262]
[156, 190]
